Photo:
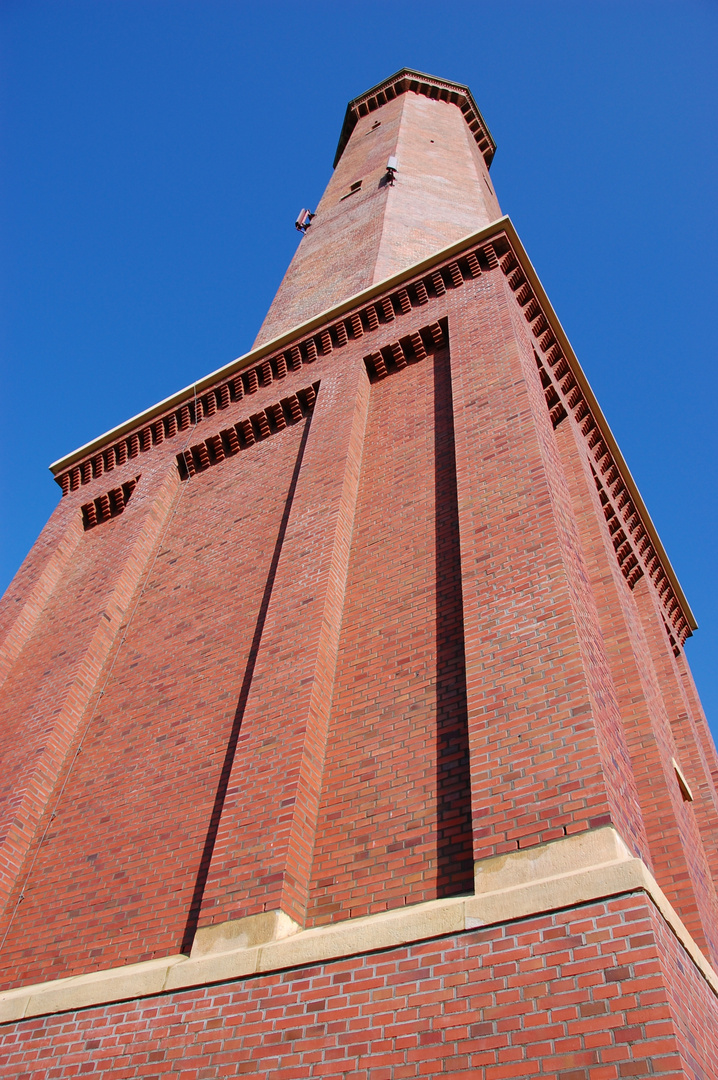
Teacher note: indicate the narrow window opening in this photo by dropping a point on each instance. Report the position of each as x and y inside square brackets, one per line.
[356, 186]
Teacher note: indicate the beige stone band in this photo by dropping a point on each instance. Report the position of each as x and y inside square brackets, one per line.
[565, 873]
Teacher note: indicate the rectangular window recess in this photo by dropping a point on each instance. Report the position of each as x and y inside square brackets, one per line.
[682, 782]
[356, 186]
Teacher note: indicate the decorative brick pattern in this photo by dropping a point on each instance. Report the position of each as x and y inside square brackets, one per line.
[418, 83]
[50, 691]
[108, 505]
[634, 551]
[674, 832]
[386, 228]
[396, 356]
[261, 858]
[273, 418]
[248, 382]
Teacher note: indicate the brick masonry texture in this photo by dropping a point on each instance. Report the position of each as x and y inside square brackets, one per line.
[142, 788]
[599, 992]
[263, 855]
[534, 696]
[673, 830]
[443, 192]
[320, 638]
[394, 826]
[135, 810]
[370, 568]
[540, 696]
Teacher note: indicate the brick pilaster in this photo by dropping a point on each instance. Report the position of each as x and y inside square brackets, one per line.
[548, 755]
[51, 705]
[262, 855]
[673, 838]
[35, 582]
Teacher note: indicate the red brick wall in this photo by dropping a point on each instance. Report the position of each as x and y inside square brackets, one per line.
[694, 749]
[710, 778]
[113, 880]
[689, 814]
[692, 1006]
[600, 992]
[327, 673]
[47, 692]
[394, 825]
[301, 629]
[676, 854]
[442, 193]
[335, 258]
[548, 754]
[33, 584]
[262, 858]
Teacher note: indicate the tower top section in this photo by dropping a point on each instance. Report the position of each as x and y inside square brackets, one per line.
[411, 176]
[418, 83]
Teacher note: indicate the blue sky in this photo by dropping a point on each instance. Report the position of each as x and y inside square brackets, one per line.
[155, 154]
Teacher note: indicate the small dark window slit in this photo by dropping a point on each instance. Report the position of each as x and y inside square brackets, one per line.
[356, 186]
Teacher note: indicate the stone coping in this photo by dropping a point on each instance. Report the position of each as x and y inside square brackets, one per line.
[565, 873]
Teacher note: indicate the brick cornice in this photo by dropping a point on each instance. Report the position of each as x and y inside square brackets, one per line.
[409, 81]
[568, 392]
[363, 314]
[268, 348]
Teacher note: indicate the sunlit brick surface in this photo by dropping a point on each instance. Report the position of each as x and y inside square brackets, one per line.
[321, 634]
[114, 879]
[394, 825]
[442, 193]
[602, 991]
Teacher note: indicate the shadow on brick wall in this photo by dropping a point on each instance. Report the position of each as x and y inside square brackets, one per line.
[455, 867]
[221, 793]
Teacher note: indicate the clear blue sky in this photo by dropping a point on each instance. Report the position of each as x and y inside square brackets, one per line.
[155, 154]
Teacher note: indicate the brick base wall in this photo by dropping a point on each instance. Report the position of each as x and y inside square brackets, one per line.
[599, 992]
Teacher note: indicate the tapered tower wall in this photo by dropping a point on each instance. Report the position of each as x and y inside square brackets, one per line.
[366, 233]
[360, 663]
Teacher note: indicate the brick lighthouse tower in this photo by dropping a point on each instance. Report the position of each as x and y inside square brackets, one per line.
[346, 724]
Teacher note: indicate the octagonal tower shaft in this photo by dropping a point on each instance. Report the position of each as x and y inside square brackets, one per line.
[367, 228]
